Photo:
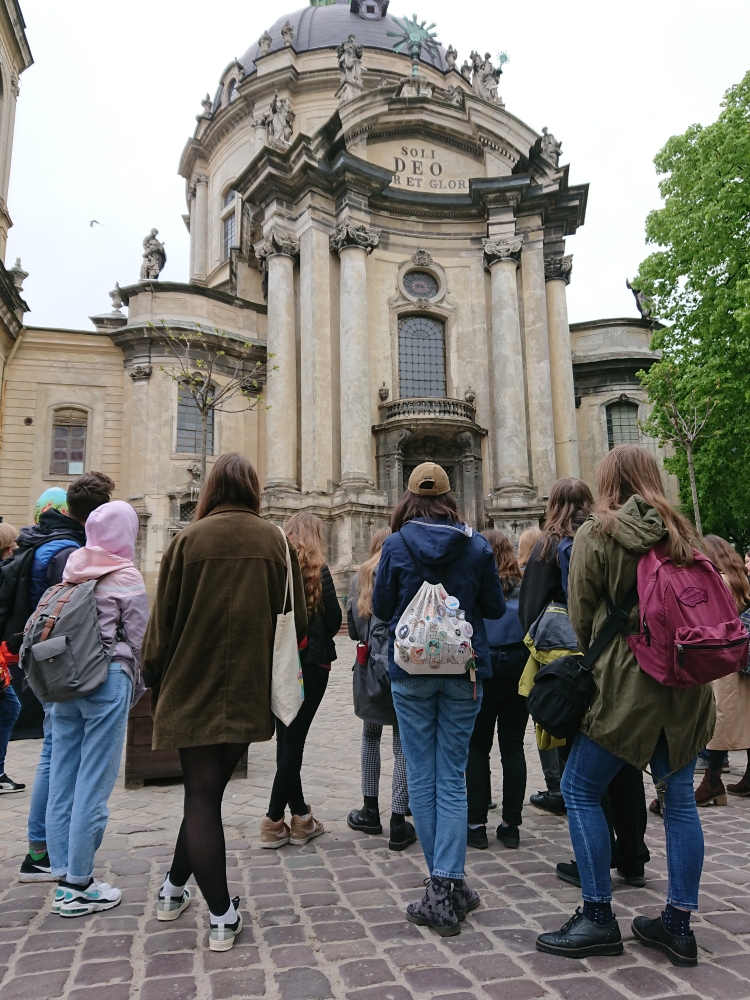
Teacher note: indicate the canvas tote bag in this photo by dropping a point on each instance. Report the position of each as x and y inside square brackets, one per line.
[287, 689]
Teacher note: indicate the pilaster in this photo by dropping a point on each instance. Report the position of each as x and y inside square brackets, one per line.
[557, 272]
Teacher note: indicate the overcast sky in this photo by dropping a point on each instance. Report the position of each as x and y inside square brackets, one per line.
[111, 100]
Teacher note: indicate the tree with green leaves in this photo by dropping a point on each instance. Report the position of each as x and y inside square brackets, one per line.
[698, 280]
[216, 371]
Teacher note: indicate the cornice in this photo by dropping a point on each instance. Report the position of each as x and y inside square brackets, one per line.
[189, 289]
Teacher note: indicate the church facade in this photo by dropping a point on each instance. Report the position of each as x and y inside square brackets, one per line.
[368, 219]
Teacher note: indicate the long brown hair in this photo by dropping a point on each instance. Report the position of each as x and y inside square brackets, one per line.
[305, 532]
[232, 480]
[526, 544]
[630, 469]
[570, 503]
[505, 558]
[412, 506]
[366, 573]
[729, 562]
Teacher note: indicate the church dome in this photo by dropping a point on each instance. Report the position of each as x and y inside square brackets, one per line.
[326, 27]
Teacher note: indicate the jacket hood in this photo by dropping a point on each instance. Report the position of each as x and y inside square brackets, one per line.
[638, 526]
[113, 527]
[52, 525]
[92, 562]
[435, 542]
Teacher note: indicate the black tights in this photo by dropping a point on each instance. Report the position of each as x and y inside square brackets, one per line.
[715, 764]
[200, 847]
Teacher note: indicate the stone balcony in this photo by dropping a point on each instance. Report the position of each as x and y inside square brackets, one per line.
[427, 408]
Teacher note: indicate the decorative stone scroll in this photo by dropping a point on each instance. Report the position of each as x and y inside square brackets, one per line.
[421, 257]
[140, 373]
[351, 234]
[502, 248]
[277, 242]
[558, 268]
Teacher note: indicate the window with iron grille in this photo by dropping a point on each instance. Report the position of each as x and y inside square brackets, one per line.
[421, 357]
[622, 424]
[229, 234]
[69, 426]
[189, 425]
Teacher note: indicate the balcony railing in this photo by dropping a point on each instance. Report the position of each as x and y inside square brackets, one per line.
[429, 407]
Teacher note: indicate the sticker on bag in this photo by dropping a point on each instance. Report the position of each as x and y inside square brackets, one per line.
[432, 634]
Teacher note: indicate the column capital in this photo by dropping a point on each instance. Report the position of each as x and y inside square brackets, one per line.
[277, 242]
[502, 248]
[558, 268]
[353, 234]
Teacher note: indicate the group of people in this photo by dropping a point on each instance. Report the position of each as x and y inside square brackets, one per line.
[206, 653]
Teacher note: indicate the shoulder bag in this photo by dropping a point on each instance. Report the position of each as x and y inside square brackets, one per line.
[287, 688]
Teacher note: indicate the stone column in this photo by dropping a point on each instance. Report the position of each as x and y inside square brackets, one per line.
[511, 449]
[316, 425]
[199, 230]
[353, 243]
[278, 252]
[538, 386]
[557, 272]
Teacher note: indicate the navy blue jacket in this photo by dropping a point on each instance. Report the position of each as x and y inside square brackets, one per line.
[440, 552]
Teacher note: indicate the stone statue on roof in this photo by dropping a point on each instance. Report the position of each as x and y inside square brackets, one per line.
[349, 56]
[450, 57]
[551, 148]
[154, 256]
[485, 77]
[278, 121]
[642, 303]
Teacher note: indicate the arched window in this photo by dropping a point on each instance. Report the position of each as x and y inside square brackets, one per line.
[233, 93]
[69, 426]
[421, 356]
[228, 224]
[189, 425]
[622, 423]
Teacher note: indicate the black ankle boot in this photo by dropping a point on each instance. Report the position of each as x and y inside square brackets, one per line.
[366, 819]
[402, 833]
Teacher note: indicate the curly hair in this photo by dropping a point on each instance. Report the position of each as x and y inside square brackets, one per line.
[505, 560]
[305, 533]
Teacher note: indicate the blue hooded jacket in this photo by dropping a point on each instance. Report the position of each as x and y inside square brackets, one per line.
[446, 552]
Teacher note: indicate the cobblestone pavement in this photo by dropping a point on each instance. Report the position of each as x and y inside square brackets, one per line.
[327, 920]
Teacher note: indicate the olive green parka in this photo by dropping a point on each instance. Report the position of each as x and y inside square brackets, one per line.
[630, 708]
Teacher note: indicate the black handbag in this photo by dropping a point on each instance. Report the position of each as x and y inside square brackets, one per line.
[564, 688]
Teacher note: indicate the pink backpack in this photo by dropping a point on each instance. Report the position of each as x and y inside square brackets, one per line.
[690, 632]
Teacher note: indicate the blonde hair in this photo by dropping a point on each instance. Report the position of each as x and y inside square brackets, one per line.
[629, 470]
[305, 532]
[526, 544]
[366, 573]
[8, 535]
[729, 563]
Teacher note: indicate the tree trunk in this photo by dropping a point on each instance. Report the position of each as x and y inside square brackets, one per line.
[693, 487]
[204, 443]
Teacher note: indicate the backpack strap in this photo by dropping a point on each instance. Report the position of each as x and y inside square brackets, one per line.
[616, 622]
[52, 619]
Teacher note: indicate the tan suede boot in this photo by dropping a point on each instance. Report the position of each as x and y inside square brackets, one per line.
[304, 830]
[707, 794]
[272, 834]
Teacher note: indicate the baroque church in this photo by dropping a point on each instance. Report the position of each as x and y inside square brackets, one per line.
[365, 212]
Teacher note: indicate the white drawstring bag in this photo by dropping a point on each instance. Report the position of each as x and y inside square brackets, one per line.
[432, 635]
[287, 688]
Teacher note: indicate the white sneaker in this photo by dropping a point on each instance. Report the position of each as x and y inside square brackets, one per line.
[78, 901]
[170, 907]
[221, 936]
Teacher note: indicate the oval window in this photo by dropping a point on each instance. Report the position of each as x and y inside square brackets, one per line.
[420, 285]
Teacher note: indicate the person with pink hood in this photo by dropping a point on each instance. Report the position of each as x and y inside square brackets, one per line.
[88, 733]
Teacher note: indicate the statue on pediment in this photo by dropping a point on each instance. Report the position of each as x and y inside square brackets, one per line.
[278, 121]
[551, 148]
[349, 56]
[154, 256]
[450, 57]
[485, 77]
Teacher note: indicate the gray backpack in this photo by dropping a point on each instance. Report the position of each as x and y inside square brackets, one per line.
[62, 653]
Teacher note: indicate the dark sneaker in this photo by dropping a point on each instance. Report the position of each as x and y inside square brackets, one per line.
[680, 949]
[402, 835]
[221, 936]
[569, 873]
[636, 879]
[9, 785]
[366, 820]
[170, 907]
[551, 802]
[464, 899]
[78, 900]
[477, 838]
[581, 937]
[508, 835]
[491, 806]
[435, 908]
[36, 871]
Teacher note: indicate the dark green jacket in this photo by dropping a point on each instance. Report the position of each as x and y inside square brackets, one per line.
[630, 708]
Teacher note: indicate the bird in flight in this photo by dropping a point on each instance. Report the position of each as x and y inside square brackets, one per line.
[93, 223]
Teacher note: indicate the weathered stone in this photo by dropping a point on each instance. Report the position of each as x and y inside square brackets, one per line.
[303, 984]
[245, 983]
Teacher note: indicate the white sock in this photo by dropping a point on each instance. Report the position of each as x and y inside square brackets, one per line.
[168, 889]
[305, 817]
[227, 918]
[476, 826]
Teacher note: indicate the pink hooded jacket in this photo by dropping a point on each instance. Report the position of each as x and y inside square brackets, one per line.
[121, 594]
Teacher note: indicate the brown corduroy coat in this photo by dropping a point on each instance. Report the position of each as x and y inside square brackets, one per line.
[209, 642]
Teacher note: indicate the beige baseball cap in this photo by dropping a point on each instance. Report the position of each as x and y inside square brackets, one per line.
[429, 480]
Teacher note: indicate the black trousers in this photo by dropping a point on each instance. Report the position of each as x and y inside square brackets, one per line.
[504, 708]
[290, 747]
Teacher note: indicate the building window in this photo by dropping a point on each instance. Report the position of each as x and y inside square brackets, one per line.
[622, 424]
[421, 285]
[230, 229]
[229, 197]
[189, 425]
[233, 92]
[69, 427]
[421, 357]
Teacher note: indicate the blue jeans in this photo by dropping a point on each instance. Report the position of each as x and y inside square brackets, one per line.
[436, 719]
[87, 739]
[590, 768]
[10, 708]
[40, 791]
